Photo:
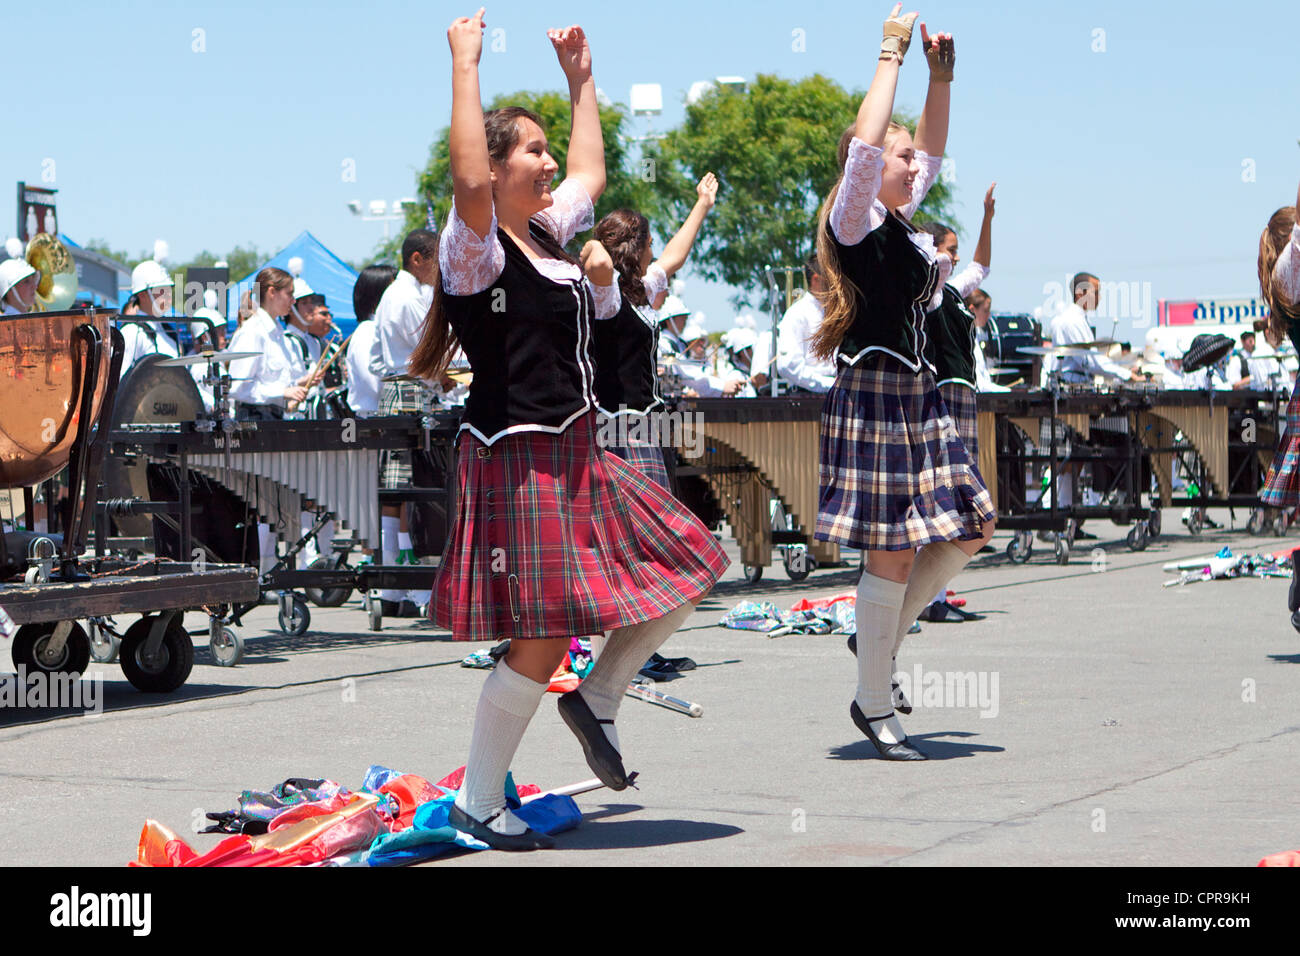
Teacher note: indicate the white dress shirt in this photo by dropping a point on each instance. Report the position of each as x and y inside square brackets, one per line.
[1071, 327]
[794, 361]
[363, 384]
[399, 323]
[262, 380]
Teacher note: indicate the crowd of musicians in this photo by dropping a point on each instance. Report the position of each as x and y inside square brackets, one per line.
[555, 537]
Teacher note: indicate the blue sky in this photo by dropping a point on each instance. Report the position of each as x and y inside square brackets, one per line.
[1147, 143]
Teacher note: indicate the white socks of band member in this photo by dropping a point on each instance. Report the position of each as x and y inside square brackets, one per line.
[420, 598]
[388, 553]
[505, 706]
[266, 546]
[877, 615]
[936, 564]
[623, 654]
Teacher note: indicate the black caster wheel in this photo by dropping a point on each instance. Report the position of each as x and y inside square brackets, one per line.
[327, 597]
[104, 647]
[376, 612]
[1020, 547]
[1137, 537]
[753, 573]
[1062, 549]
[31, 649]
[296, 622]
[1195, 523]
[1153, 523]
[799, 563]
[165, 670]
[228, 649]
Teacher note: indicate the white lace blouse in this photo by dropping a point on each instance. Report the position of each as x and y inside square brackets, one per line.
[470, 264]
[1286, 271]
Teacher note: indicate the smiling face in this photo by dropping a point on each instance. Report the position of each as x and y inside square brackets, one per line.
[900, 171]
[948, 246]
[522, 181]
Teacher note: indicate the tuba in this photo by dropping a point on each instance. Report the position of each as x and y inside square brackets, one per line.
[58, 286]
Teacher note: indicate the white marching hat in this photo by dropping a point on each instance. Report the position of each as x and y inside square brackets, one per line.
[209, 312]
[12, 272]
[737, 340]
[300, 289]
[149, 275]
[693, 331]
[672, 306]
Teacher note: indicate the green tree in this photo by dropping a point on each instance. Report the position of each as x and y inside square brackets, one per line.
[625, 187]
[772, 148]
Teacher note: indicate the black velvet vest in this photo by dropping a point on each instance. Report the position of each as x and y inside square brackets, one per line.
[950, 339]
[625, 349]
[894, 280]
[528, 340]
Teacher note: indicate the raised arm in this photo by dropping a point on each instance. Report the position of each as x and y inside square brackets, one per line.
[984, 247]
[932, 129]
[586, 159]
[878, 105]
[471, 174]
[679, 246]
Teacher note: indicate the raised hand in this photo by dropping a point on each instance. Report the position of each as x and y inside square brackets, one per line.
[989, 202]
[465, 36]
[707, 189]
[597, 264]
[573, 51]
[940, 54]
[897, 34]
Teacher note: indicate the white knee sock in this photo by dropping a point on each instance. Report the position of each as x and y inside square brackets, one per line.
[505, 706]
[625, 653]
[266, 546]
[936, 564]
[388, 551]
[877, 614]
[308, 554]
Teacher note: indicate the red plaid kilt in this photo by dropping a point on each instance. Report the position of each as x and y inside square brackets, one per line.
[1282, 486]
[961, 402]
[555, 538]
[647, 459]
[894, 472]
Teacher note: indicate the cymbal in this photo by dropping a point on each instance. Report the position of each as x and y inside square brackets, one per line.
[1058, 351]
[201, 357]
[1097, 344]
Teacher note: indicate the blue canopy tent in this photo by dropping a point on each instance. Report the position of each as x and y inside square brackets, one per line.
[325, 272]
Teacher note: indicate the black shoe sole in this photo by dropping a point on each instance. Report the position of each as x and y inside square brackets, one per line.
[899, 751]
[528, 840]
[604, 761]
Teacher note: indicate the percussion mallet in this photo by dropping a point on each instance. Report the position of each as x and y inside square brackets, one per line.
[647, 693]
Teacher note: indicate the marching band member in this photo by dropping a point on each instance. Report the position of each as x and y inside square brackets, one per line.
[277, 375]
[1279, 280]
[552, 537]
[207, 333]
[736, 362]
[1071, 327]
[363, 384]
[151, 297]
[980, 304]
[795, 361]
[18, 282]
[624, 349]
[673, 316]
[895, 475]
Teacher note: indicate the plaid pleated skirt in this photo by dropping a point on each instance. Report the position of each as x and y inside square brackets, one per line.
[1282, 486]
[894, 473]
[556, 538]
[965, 416]
[401, 397]
[645, 457]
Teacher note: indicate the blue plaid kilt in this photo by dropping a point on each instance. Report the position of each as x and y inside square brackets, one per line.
[1282, 486]
[556, 538]
[960, 400]
[894, 474]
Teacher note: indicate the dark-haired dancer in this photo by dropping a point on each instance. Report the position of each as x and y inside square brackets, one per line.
[1279, 280]
[951, 350]
[895, 475]
[553, 537]
[625, 349]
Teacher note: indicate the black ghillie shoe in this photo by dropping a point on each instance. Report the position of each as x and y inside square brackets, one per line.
[528, 840]
[601, 756]
[899, 751]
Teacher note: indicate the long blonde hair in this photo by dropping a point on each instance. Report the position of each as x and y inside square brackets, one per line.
[1271, 243]
[839, 294]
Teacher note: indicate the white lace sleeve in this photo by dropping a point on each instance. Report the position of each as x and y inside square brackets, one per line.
[1286, 271]
[969, 279]
[608, 298]
[930, 166]
[856, 211]
[570, 212]
[468, 263]
[655, 281]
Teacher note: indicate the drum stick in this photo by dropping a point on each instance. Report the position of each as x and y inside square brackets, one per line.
[572, 790]
[652, 696]
[293, 405]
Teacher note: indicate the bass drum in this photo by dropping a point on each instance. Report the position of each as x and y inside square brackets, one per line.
[151, 395]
